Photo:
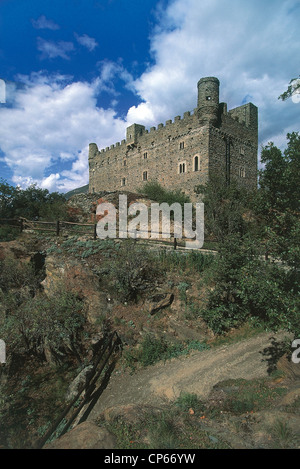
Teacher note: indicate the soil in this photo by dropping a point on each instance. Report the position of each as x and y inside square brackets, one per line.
[196, 373]
[213, 375]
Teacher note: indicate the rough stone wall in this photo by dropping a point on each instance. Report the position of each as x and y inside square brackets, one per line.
[182, 153]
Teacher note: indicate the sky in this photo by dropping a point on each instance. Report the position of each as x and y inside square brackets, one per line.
[73, 72]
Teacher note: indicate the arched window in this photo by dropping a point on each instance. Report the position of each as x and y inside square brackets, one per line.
[197, 163]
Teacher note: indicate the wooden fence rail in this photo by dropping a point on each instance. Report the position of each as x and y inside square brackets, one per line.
[56, 226]
[60, 226]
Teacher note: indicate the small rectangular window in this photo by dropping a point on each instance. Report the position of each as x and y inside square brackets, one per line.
[123, 182]
[181, 145]
[145, 155]
[145, 176]
[182, 168]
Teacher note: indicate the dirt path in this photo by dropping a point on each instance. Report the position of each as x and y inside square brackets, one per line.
[196, 373]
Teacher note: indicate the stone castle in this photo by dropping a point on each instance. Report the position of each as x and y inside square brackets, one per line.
[185, 152]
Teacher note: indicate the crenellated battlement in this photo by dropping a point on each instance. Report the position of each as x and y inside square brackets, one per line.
[183, 151]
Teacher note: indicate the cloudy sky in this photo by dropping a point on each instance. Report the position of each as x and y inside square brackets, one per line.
[81, 71]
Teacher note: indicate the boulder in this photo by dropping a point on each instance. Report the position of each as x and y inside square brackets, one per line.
[81, 380]
[159, 301]
[77, 279]
[86, 435]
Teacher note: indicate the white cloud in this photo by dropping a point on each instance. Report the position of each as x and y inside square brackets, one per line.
[251, 47]
[51, 49]
[43, 23]
[89, 42]
[52, 123]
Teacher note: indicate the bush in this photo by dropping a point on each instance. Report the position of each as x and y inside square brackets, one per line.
[154, 191]
[248, 288]
[17, 275]
[188, 401]
[134, 271]
[45, 325]
[8, 233]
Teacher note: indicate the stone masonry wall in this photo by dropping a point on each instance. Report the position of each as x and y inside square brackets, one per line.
[182, 153]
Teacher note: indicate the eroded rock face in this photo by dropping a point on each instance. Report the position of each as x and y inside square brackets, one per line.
[86, 435]
[159, 301]
[77, 279]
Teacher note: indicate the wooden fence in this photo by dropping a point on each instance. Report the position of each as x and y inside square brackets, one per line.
[57, 226]
[89, 229]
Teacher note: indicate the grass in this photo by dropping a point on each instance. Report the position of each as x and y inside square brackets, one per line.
[282, 434]
[167, 428]
[154, 349]
[242, 396]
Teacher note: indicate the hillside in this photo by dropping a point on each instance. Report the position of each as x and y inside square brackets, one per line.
[79, 190]
[174, 385]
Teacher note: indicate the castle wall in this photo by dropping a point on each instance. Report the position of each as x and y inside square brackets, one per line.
[185, 152]
[158, 153]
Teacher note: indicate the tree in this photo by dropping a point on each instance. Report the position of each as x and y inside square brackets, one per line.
[224, 207]
[8, 195]
[278, 200]
[32, 203]
[292, 91]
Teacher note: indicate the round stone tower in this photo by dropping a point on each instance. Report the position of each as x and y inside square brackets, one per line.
[208, 100]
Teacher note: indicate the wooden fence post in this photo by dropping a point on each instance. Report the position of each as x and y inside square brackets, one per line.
[95, 231]
[57, 228]
[175, 243]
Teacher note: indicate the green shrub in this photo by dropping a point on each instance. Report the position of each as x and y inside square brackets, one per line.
[8, 233]
[154, 191]
[134, 271]
[44, 324]
[248, 288]
[188, 401]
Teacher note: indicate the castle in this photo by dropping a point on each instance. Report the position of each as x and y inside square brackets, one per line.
[185, 152]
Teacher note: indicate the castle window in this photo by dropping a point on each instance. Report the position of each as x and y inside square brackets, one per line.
[125, 162]
[123, 182]
[145, 176]
[145, 155]
[182, 168]
[242, 172]
[181, 145]
[197, 163]
[242, 150]
[208, 98]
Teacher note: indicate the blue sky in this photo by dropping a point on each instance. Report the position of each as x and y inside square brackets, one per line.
[81, 71]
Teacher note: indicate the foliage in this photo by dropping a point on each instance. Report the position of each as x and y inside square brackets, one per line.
[33, 203]
[8, 233]
[154, 349]
[17, 275]
[187, 401]
[249, 288]
[243, 396]
[192, 261]
[224, 207]
[293, 87]
[134, 271]
[42, 324]
[154, 191]
[278, 200]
